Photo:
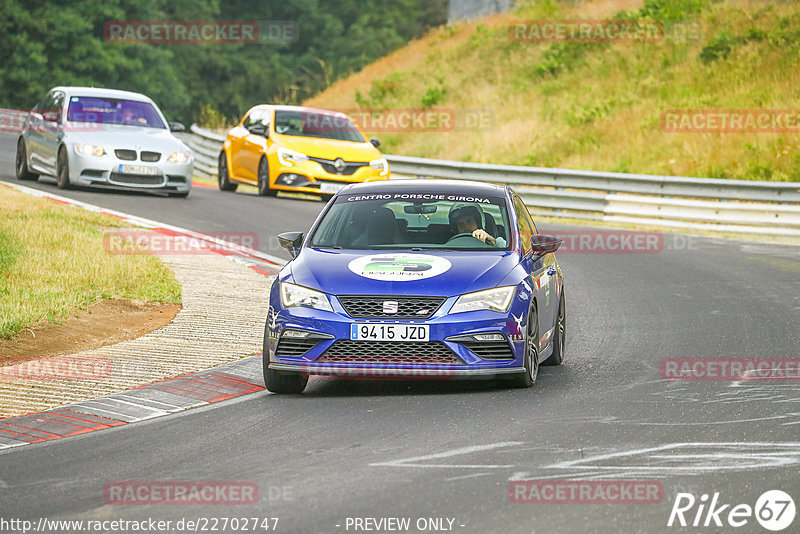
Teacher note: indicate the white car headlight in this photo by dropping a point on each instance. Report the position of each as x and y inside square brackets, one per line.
[288, 157]
[178, 157]
[90, 150]
[497, 299]
[380, 165]
[294, 295]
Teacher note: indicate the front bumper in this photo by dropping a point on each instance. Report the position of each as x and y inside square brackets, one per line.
[104, 171]
[328, 329]
[312, 177]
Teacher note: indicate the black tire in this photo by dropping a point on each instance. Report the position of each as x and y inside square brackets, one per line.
[528, 378]
[223, 178]
[62, 172]
[264, 189]
[557, 357]
[23, 172]
[282, 382]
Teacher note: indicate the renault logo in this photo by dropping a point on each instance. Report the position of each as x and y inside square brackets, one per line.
[339, 164]
[390, 306]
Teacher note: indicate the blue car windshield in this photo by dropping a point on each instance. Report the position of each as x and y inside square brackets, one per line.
[101, 110]
[405, 221]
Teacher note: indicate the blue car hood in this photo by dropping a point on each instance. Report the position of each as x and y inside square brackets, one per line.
[440, 273]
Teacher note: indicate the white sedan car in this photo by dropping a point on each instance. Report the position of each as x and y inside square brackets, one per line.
[103, 137]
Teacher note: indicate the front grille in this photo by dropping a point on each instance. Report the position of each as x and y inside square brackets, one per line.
[150, 156]
[413, 352]
[292, 348]
[350, 166]
[137, 179]
[490, 350]
[127, 155]
[371, 306]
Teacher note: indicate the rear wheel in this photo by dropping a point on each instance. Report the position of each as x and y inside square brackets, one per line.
[223, 178]
[263, 179]
[283, 382]
[23, 173]
[62, 173]
[558, 342]
[528, 378]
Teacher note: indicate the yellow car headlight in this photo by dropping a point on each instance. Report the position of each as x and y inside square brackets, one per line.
[380, 165]
[288, 157]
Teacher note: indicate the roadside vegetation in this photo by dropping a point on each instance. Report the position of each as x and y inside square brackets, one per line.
[52, 262]
[598, 106]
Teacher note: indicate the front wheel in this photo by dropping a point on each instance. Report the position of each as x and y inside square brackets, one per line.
[223, 178]
[62, 173]
[264, 189]
[558, 343]
[528, 378]
[23, 172]
[282, 382]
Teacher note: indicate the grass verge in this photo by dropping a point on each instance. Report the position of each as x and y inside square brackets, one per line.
[52, 261]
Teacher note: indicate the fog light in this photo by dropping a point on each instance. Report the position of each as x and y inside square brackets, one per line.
[295, 334]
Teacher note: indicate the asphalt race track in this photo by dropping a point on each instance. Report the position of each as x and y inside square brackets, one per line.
[439, 449]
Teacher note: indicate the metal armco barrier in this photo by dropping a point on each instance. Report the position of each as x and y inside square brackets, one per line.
[742, 206]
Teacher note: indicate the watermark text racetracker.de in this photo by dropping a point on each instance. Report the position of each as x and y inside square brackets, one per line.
[592, 241]
[201, 31]
[140, 241]
[58, 368]
[586, 491]
[405, 120]
[730, 369]
[730, 121]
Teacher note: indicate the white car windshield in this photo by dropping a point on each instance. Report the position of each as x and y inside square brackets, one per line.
[102, 110]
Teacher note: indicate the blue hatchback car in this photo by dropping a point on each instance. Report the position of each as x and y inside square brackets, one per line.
[416, 279]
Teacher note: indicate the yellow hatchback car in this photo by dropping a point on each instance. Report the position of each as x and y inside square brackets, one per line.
[290, 148]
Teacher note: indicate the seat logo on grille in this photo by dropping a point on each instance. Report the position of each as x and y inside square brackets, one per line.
[390, 306]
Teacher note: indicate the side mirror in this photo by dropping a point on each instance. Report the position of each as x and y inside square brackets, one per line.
[176, 127]
[258, 129]
[375, 141]
[291, 241]
[544, 244]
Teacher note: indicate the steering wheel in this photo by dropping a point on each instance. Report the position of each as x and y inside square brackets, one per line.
[465, 234]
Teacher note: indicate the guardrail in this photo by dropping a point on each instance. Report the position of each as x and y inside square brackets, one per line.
[741, 206]
[12, 120]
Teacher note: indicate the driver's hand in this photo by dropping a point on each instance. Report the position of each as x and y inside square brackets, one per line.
[483, 236]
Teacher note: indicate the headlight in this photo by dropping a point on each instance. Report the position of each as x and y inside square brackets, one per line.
[90, 150]
[294, 295]
[497, 299]
[380, 165]
[288, 157]
[178, 157]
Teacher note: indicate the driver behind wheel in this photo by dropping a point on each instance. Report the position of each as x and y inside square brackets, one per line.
[468, 219]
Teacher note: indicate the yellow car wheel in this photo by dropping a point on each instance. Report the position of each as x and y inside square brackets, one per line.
[263, 179]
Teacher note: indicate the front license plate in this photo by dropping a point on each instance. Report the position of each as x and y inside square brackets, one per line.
[326, 187]
[138, 169]
[389, 332]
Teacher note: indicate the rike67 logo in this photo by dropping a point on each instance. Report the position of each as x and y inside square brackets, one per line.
[774, 510]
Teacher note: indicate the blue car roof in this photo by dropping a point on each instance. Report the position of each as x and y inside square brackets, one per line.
[425, 186]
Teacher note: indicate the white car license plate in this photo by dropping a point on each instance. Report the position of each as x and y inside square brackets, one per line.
[327, 187]
[389, 332]
[138, 169]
